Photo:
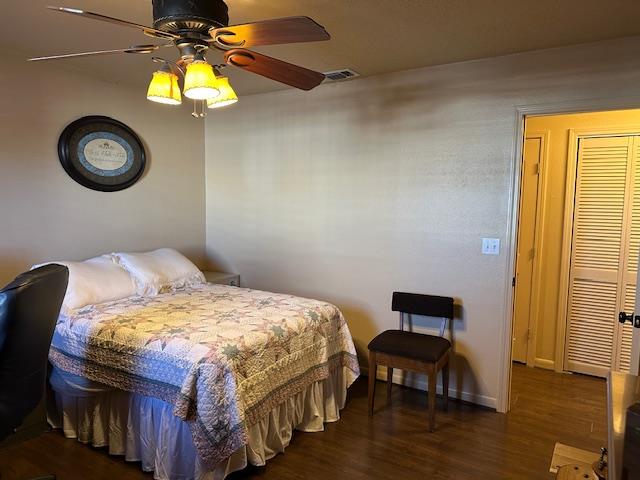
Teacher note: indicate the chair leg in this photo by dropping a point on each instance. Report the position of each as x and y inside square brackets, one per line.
[373, 368]
[389, 383]
[445, 386]
[432, 400]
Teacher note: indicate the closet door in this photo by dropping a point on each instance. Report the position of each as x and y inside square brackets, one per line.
[594, 343]
[630, 251]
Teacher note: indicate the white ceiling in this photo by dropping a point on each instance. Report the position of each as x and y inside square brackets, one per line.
[370, 36]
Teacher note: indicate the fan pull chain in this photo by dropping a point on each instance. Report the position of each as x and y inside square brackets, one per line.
[203, 112]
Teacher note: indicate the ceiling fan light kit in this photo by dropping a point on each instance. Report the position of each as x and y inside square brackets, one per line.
[196, 26]
[200, 81]
[227, 95]
[164, 87]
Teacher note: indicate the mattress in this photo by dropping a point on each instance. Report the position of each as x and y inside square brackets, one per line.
[223, 358]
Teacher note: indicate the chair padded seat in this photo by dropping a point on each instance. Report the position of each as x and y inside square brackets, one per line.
[416, 346]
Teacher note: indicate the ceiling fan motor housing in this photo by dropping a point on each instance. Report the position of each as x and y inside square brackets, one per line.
[189, 16]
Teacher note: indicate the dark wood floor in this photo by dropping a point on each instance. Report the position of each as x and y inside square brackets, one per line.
[470, 442]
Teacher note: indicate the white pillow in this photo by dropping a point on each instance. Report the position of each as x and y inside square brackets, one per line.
[94, 281]
[160, 271]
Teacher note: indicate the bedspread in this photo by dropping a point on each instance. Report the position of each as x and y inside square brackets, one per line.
[224, 357]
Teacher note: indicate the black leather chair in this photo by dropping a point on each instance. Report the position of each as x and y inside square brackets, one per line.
[414, 351]
[29, 309]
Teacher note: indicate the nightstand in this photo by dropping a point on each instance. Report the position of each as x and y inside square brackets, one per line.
[221, 278]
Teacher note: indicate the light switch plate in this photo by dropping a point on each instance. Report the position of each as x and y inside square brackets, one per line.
[491, 246]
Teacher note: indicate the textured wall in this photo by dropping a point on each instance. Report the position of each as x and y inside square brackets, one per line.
[356, 189]
[45, 215]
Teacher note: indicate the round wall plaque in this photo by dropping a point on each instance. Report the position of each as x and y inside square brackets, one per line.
[101, 153]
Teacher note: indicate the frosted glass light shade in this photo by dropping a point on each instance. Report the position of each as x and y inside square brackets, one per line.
[227, 94]
[200, 81]
[164, 88]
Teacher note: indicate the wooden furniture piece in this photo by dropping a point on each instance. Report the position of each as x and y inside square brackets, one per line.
[579, 460]
[222, 278]
[413, 351]
[576, 472]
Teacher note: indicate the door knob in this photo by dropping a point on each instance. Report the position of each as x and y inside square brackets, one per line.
[624, 317]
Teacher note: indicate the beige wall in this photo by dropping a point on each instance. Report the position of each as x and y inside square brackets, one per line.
[45, 215]
[556, 129]
[356, 189]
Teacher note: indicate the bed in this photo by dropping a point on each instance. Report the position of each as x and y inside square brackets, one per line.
[199, 381]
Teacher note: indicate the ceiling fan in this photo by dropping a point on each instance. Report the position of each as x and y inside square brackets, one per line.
[196, 26]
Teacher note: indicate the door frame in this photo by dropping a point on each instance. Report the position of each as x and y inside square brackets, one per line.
[503, 400]
[575, 135]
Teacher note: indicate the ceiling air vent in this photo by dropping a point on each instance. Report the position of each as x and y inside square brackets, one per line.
[339, 75]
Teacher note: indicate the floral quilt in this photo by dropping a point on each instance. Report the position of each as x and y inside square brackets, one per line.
[224, 357]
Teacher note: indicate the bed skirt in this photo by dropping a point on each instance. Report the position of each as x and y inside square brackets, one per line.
[144, 429]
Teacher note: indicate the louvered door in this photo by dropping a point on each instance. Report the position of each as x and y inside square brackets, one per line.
[631, 253]
[604, 255]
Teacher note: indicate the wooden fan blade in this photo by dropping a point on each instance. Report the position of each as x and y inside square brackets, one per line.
[136, 49]
[274, 69]
[270, 32]
[152, 32]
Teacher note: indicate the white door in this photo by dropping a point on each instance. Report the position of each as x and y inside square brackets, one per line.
[634, 368]
[634, 256]
[533, 149]
[604, 257]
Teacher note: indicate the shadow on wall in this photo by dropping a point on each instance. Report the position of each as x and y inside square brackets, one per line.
[148, 156]
[366, 326]
[12, 266]
[466, 381]
[457, 88]
[432, 324]
[216, 262]
[418, 106]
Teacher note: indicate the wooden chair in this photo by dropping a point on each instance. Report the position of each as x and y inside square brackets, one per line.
[414, 351]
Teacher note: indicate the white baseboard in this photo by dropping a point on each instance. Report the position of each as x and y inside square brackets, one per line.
[544, 363]
[420, 382]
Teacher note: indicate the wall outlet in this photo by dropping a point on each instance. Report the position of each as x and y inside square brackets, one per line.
[491, 246]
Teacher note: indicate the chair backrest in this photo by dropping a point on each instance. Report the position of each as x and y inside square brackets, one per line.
[426, 305]
[29, 309]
